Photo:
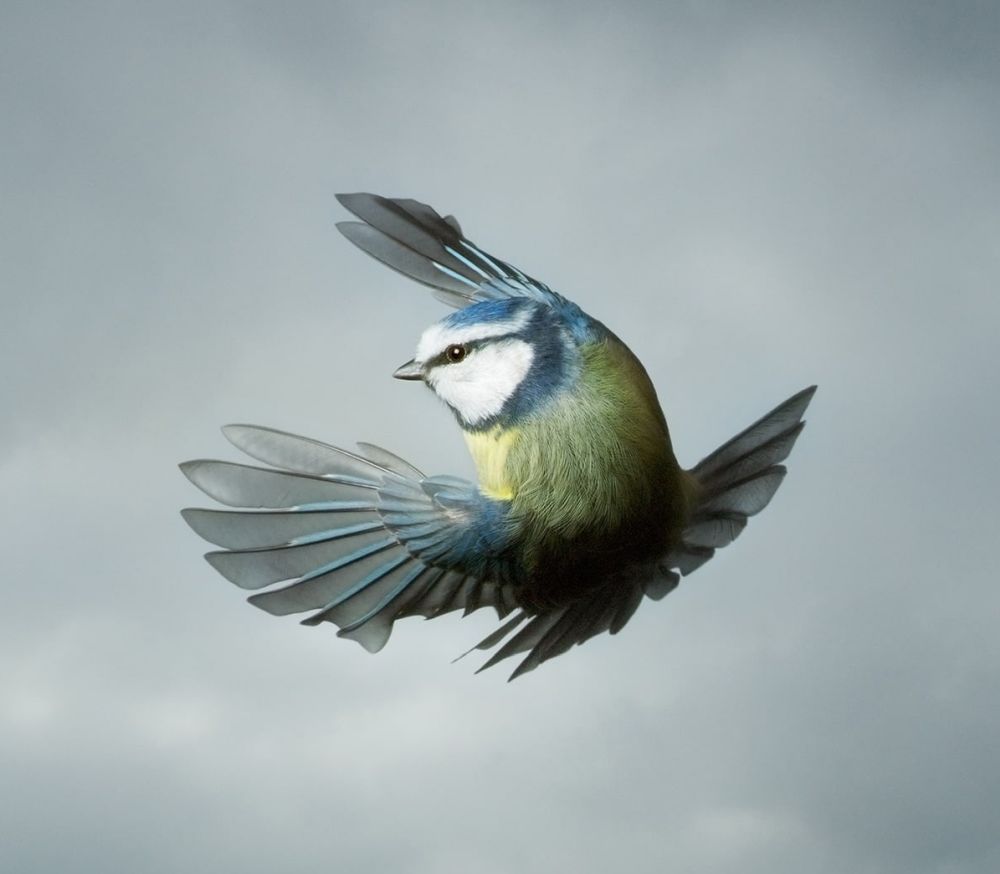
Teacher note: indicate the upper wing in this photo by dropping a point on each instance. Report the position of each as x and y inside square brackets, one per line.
[412, 238]
[364, 539]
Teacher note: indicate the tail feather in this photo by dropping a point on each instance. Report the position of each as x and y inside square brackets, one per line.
[688, 557]
[745, 497]
[715, 531]
[737, 481]
[779, 423]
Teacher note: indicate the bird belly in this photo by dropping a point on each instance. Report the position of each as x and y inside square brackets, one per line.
[490, 450]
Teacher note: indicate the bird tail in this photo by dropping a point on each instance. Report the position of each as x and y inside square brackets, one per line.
[737, 481]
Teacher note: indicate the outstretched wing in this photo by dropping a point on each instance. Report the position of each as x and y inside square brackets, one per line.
[412, 238]
[362, 539]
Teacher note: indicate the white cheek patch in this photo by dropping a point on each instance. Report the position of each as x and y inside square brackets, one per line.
[440, 336]
[478, 387]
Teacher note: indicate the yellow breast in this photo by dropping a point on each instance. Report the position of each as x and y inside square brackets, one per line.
[490, 450]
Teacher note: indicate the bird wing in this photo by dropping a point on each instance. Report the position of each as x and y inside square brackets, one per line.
[363, 539]
[412, 238]
[550, 633]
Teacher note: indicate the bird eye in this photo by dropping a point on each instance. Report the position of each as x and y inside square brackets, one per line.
[455, 353]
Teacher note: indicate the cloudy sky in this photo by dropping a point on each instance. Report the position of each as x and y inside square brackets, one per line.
[756, 197]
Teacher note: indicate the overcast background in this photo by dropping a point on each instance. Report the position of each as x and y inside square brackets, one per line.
[756, 197]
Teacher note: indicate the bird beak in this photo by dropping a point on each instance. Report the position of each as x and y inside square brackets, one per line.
[410, 370]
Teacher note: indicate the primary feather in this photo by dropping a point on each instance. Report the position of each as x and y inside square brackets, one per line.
[580, 511]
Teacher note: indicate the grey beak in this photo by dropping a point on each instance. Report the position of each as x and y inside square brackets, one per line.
[410, 370]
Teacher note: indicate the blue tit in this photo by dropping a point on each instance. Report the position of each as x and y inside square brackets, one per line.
[580, 511]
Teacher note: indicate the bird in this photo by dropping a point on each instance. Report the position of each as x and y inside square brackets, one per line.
[580, 510]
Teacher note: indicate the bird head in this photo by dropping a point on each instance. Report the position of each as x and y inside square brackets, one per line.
[494, 362]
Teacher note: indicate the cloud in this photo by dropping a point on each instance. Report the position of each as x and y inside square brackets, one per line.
[755, 198]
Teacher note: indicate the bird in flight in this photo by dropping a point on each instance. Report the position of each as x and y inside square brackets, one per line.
[580, 511]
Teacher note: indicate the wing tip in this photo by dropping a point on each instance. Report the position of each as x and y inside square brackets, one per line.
[346, 224]
[802, 399]
[231, 432]
[347, 198]
[193, 468]
[217, 559]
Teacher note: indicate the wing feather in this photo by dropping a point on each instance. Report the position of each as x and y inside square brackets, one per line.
[411, 238]
[362, 539]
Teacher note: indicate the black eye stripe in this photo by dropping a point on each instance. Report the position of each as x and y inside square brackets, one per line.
[469, 346]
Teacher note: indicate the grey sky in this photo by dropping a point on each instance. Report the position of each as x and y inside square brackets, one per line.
[754, 196]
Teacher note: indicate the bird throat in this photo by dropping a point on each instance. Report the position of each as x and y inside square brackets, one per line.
[489, 450]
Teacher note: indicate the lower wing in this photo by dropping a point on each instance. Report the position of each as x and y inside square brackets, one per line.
[361, 539]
